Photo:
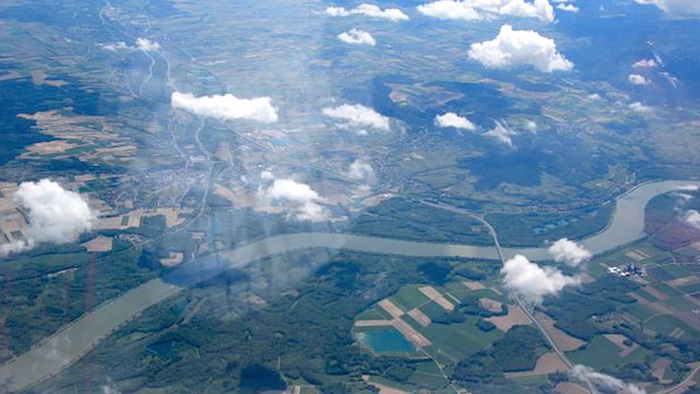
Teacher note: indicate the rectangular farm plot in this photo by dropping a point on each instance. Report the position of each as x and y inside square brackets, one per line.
[409, 297]
[601, 353]
[690, 288]
[434, 295]
[390, 308]
[639, 311]
[546, 364]
[666, 324]
[515, 317]
[420, 317]
[432, 309]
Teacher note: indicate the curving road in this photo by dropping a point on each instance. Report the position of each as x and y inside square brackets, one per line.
[76, 339]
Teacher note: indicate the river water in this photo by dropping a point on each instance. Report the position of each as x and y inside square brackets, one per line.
[76, 339]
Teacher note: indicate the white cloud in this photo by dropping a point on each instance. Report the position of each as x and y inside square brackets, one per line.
[451, 119]
[594, 96]
[358, 115]
[675, 7]
[692, 218]
[513, 48]
[226, 107]
[304, 202]
[531, 126]
[54, 215]
[568, 8]
[640, 108]
[689, 188]
[532, 282]
[645, 63]
[359, 170]
[119, 46]
[488, 9]
[147, 45]
[357, 36]
[502, 133]
[370, 10]
[636, 79]
[569, 252]
[601, 380]
[142, 44]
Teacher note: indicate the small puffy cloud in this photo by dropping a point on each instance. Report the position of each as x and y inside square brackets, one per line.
[567, 8]
[357, 36]
[532, 282]
[636, 79]
[502, 133]
[142, 44]
[569, 252]
[513, 48]
[689, 188]
[603, 381]
[451, 119]
[358, 115]
[531, 126]
[640, 108]
[594, 96]
[54, 215]
[692, 218]
[675, 7]
[645, 63]
[470, 10]
[360, 171]
[147, 45]
[226, 107]
[299, 197]
[370, 10]
[119, 46]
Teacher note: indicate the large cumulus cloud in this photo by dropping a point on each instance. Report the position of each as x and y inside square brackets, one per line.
[532, 282]
[514, 48]
[488, 9]
[226, 107]
[54, 215]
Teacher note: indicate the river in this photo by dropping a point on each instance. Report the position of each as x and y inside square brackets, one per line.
[77, 338]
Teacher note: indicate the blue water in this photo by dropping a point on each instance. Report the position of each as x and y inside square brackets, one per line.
[386, 340]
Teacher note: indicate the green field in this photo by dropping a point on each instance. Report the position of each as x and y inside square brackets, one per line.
[666, 324]
[676, 271]
[639, 311]
[666, 289]
[409, 297]
[372, 314]
[690, 289]
[681, 304]
[601, 353]
[459, 340]
[432, 309]
[647, 296]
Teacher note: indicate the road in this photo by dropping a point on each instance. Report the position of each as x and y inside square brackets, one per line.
[521, 304]
[76, 339]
